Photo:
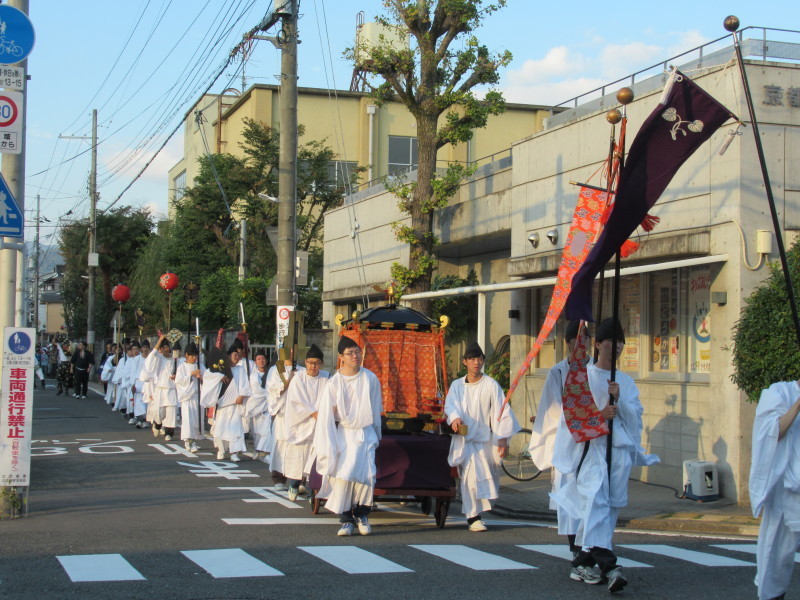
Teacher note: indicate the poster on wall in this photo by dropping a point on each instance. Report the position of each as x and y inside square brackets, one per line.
[630, 298]
[700, 317]
[16, 408]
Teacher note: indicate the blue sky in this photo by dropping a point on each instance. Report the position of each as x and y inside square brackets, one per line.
[141, 63]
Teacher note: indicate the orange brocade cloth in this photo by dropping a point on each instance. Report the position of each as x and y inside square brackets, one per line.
[406, 364]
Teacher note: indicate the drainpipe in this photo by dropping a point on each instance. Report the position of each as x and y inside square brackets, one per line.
[482, 321]
[371, 109]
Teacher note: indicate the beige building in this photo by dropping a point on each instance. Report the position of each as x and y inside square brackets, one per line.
[681, 294]
[382, 139]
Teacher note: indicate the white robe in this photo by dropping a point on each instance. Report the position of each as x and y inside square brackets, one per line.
[302, 401]
[122, 391]
[228, 426]
[775, 489]
[138, 387]
[256, 413]
[549, 415]
[277, 409]
[476, 454]
[107, 375]
[188, 395]
[348, 432]
[163, 406]
[586, 497]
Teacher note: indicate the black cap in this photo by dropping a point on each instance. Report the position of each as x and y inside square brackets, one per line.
[146, 343]
[474, 350]
[233, 348]
[135, 344]
[345, 343]
[314, 352]
[605, 331]
[191, 349]
[261, 352]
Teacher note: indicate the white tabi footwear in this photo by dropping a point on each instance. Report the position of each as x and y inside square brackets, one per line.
[220, 455]
[235, 457]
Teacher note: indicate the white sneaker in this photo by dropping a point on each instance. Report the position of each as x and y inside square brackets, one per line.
[363, 526]
[590, 575]
[131, 421]
[477, 526]
[235, 457]
[616, 580]
[167, 438]
[345, 530]
[220, 455]
[292, 494]
[194, 447]
[280, 487]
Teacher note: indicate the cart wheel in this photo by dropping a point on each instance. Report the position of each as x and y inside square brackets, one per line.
[518, 464]
[425, 504]
[442, 506]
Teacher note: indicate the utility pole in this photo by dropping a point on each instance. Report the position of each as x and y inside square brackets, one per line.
[287, 165]
[93, 259]
[242, 249]
[12, 309]
[37, 274]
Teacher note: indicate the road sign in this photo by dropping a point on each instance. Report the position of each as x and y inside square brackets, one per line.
[11, 221]
[16, 35]
[11, 104]
[282, 316]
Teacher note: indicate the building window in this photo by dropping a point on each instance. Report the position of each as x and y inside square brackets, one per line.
[179, 186]
[342, 172]
[403, 154]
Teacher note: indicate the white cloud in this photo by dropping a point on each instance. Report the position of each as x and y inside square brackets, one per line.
[557, 63]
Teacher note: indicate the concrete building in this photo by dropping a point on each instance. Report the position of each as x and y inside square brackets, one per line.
[382, 139]
[681, 293]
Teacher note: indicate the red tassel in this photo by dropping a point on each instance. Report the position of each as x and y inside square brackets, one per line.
[628, 247]
[649, 223]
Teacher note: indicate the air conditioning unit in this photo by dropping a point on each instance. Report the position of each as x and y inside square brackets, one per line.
[700, 480]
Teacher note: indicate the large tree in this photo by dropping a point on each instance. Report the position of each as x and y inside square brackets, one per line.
[437, 79]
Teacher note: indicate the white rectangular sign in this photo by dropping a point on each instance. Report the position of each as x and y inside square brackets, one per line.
[12, 77]
[11, 104]
[16, 406]
[282, 316]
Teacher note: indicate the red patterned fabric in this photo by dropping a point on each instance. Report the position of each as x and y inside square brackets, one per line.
[580, 412]
[582, 233]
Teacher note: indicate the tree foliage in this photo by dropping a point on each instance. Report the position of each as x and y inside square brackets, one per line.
[121, 233]
[765, 348]
[436, 79]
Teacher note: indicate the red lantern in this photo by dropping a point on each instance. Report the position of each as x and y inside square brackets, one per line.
[168, 281]
[121, 293]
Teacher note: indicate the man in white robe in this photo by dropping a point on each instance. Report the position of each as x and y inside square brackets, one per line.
[276, 390]
[132, 368]
[476, 400]
[587, 497]
[257, 417]
[302, 405]
[549, 418]
[775, 487]
[107, 375]
[140, 388]
[348, 432]
[228, 428]
[160, 366]
[187, 384]
[121, 382]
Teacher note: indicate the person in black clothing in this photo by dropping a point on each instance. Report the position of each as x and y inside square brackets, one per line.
[82, 363]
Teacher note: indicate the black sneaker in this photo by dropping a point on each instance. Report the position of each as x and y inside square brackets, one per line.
[616, 580]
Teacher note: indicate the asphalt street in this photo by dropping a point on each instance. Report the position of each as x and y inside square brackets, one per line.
[114, 512]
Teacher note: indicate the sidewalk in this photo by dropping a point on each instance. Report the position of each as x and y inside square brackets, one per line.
[650, 508]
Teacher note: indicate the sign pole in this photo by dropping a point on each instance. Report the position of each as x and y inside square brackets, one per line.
[13, 170]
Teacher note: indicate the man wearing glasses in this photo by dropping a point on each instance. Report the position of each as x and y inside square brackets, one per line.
[347, 434]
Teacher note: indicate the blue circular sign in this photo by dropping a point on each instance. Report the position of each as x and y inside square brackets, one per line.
[19, 342]
[16, 35]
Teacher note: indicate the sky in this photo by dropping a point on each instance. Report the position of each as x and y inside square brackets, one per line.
[143, 63]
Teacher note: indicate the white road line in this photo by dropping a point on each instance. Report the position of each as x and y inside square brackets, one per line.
[353, 560]
[699, 558]
[476, 560]
[99, 567]
[749, 548]
[230, 562]
[563, 551]
[285, 521]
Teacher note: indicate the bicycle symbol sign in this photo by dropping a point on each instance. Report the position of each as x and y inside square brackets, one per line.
[16, 35]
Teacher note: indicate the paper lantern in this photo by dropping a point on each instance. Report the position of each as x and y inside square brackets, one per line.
[121, 293]
[168, 281]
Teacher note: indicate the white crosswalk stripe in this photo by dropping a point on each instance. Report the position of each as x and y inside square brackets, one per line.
[230, 562]
[99, 567]
[477, 560]
[562, 551]
[353, 560]
[699, 558]
[749, 548]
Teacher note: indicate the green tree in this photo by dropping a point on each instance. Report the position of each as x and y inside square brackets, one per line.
[765, 346]
[438, 84]
[121, 235]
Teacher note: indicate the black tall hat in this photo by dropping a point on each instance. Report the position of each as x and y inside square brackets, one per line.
[605, 331]
[191, 349]
[315, 352]
[233, 348]
[345, 343]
